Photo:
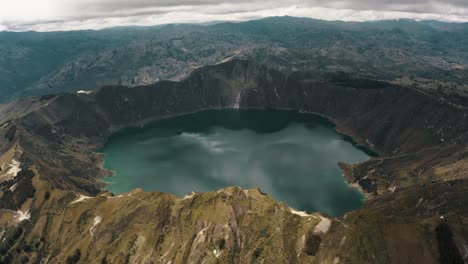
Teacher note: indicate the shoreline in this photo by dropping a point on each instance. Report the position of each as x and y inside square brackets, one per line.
[347, 175]
[346, 172]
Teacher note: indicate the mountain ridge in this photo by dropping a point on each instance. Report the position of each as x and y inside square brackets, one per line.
[421, 167]
[404, 51]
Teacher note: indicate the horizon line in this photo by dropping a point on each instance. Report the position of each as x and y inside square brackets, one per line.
[217, 22]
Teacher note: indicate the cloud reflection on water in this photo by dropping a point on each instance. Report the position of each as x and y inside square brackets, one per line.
[296, 165]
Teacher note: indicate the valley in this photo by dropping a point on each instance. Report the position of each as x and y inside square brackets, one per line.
[428, 54]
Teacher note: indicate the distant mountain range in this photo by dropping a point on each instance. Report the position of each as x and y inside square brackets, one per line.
[429, 54]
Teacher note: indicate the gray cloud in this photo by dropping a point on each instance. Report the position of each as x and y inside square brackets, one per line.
[414, 6]
[47, 15]
[417, 6]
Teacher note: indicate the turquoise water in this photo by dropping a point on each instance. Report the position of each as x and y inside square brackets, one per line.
[291, 156]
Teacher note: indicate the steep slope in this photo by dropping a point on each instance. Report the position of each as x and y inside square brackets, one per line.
[417, 186]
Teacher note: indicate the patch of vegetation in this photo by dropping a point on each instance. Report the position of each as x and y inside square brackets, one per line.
[10, 134]
[312, 244]
[74, 258]
[222, 244]
[83, 219]
[24, 190]
[47, 195]
[448, 251]
[10, 241]
[257, 252]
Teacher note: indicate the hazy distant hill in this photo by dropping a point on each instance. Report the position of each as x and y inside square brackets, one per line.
[34, 63]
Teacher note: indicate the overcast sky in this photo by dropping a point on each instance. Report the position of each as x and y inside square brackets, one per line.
[46, 15]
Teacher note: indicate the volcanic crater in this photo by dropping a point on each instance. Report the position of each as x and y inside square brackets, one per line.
[53, 141]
